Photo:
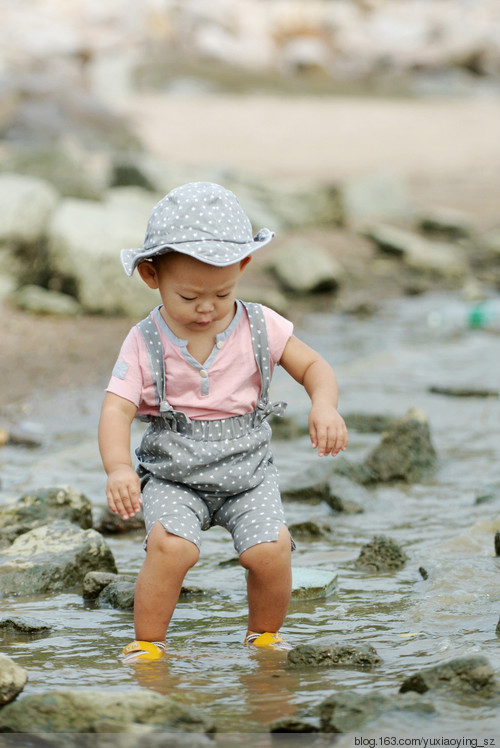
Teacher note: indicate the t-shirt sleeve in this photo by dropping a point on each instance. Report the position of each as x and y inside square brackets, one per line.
[279, 331]
[127, 376]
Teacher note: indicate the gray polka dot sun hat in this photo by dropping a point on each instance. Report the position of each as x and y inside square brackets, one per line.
[200, 219]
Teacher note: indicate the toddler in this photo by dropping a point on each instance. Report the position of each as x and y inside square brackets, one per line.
[198, 369]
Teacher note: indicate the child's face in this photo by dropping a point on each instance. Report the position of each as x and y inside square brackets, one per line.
[196, 297]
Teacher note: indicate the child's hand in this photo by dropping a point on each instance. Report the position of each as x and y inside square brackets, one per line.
[327, 430]
[123, 492]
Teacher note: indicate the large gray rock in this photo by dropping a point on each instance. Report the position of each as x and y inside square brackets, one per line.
[52, 558]
[348, 711]
[405, 452]
[466, 675]
[27, 205]
[38, 300]
[306, 268]
[13, 678]
[85, 239]
[98, 711]
[36, 509]
[436, 258]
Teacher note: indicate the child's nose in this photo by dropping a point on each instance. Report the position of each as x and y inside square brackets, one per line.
[205, 305]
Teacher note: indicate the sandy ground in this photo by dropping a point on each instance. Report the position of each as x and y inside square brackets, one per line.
[447, 151]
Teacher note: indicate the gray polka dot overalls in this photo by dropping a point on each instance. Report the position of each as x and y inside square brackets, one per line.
[199, 473]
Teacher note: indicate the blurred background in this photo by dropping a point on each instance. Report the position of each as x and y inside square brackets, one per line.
[364, 132]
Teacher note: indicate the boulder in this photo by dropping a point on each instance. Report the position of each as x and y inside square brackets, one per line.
[447, 222]
[435, 258]
[348, 711]
[27, 205]
[52, 558]
[323, 654]
[84, 243]
[306, 268]
[97, 711]
[13, 678]
[465, 675]
[309, 530]
[381, 554]
[119, 594]
[381, 196]
[47, 504]
[405, 452]
[38, 300]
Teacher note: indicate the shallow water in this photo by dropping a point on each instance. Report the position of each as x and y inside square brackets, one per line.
[385, 364]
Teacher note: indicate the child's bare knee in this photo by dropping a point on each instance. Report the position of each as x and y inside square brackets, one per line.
[172, 547]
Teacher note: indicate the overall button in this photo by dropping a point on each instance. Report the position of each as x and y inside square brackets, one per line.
[204, 373]
[219, 344]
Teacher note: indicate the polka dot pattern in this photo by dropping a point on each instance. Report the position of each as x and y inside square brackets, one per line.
[199, 473]
[200, 219]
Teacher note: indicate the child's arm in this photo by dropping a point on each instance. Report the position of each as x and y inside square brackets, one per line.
[327, 429]
[123, 489]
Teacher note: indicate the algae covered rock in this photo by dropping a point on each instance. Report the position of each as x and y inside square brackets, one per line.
[467, 675]
[349, 711]
[381, 554]
[52, 558]
[98, 711]
[332, 654]
[405, 452]
[36, 509]
[13, 678]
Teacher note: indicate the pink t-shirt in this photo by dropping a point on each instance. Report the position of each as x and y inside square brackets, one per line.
[226, 384]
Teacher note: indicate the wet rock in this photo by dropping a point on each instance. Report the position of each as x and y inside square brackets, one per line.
[405, 452]
[466, 675]
[309, 530]
[13, 678]
[497, 543]
[436, 258]
[47, 504]
[312, 584]
[110, 523]
[452, 391]
[310, 485]
[349, 711]
[52, 558]
[423, 572]
[38, 300]
[94, 583]
[76, 247]
[18, 439]
[24, 625]
[346, 496]
[98, 711]
[328, 654]
[295, 725]
[380, 195]
[381, 554]
[498, 627]
[119, 594]
[369, 423]
[27, 205]
[287, 428]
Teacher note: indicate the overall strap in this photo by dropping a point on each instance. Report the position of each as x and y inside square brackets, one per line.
[262, 355]
[156, 358]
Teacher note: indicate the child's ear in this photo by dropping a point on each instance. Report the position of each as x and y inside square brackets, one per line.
[244, 262]
[147, 271]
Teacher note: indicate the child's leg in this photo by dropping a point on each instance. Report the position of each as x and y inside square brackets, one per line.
[168, 559]
[269, 582]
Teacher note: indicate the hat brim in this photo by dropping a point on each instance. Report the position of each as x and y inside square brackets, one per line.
[218, 253]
